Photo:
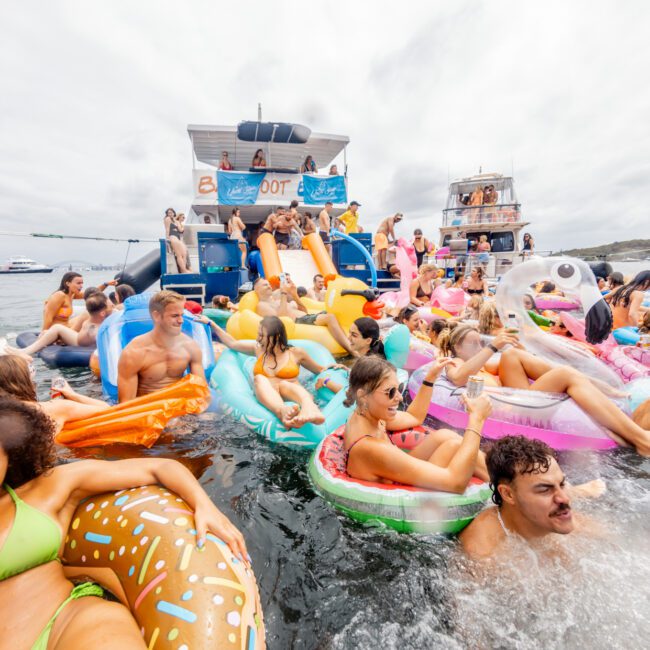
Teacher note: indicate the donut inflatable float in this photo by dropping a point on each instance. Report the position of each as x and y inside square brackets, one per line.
[450, 300]
[556, 302]
[181, 596]
[402, 507]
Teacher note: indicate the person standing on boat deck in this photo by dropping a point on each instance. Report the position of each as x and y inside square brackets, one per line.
[384, 236]
[421, 245]
[350, 218]
[284, 224]
[306, 223]
[531, 495]
[175, 239]
[334, 170]
[258, 159]
[225, 164]
[160, 357]
[309, 166]
[324, 224]
[529, 244]
[236, 229]
[269, 305]
[317, 292]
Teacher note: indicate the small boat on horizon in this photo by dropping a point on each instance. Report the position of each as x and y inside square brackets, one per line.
[22, 264]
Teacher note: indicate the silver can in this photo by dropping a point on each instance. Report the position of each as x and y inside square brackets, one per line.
[474, 387]
[644, 341]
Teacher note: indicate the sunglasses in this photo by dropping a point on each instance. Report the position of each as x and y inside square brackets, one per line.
[391, 392]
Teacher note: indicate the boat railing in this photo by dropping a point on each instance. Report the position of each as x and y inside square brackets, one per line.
[482, 214]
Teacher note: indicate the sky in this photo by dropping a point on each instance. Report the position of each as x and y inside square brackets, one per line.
[95, 99]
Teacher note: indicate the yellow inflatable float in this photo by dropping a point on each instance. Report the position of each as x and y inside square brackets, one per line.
[346, 298]
[180, 595]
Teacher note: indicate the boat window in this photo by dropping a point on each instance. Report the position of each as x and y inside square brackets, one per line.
[502, 242]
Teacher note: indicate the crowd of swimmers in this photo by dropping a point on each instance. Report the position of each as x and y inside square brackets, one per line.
[532, 498]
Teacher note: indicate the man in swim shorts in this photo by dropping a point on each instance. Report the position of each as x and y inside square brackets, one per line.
[158, 358]
[290, 305]
[384, 236]
[532, 498]
[324, 225]
[284, 224]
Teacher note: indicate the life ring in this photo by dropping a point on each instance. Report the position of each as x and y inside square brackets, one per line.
[553, 418]
[139, 421]
[181, 596]
[402, 507]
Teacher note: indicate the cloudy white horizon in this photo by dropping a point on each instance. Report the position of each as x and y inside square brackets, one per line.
[96, 97]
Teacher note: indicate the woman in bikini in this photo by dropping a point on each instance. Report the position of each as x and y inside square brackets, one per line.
[58, 307]
[174, 233]
[444, 460]
[276, 371]
[421, 288]
[258, 159]
[236, 229]
[626, 301]
[421, 245]
[16, 380]
[41, 608]
[476, 284]
[410, 317]
[517, 368]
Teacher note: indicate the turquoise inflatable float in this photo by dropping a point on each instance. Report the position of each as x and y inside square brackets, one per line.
[232, 382]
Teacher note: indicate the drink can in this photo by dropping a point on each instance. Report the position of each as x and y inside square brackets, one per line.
[57, 384]
[644, 341]
[474, 386]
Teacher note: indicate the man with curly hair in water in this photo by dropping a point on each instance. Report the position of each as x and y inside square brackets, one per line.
[531, 495]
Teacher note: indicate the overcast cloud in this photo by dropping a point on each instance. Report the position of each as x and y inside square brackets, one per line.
[95, 98]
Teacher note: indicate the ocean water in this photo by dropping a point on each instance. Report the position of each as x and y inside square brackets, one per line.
[328, 582]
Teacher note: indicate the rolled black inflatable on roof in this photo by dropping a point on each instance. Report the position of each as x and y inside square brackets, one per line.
[273, 132]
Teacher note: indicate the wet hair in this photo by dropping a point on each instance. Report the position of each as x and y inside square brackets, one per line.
[276, 336]
[124, 291]
[547, 287]
[366, 375]
[90, 291]
[623, 295]
[369, 329]
[96, 303]
[160, 300]
[301, 291]
[68, 277]
[512, 455]
[645, 324]
[488, 318]
[449, 339]
[405, 313]
[27, 440]
[15, 379]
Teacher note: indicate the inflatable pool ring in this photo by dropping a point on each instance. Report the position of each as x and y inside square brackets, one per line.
[638, 391]
[627, 335]
[556, 302]
[450, 299]
[139, 421]
[121, 327]
[232, 383]
[642, 355]
[553, 418]
[402, 507]
[610, 352]
[346, 298]
[218, 316]
[429, 314]
[58, 356]
[406, 351]
[568, 274]
[180, 596]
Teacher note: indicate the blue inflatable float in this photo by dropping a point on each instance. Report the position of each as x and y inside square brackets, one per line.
[627, 335]
[232, 382]
[58, 356]
[121, 327]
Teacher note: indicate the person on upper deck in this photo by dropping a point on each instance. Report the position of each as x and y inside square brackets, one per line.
[309, 166]
[350, 218]
[334, 171]
[225, 164]
[490, 195]
[529, 244]
[258, 159]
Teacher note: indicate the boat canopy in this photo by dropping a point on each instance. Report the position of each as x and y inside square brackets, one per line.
[297, 142]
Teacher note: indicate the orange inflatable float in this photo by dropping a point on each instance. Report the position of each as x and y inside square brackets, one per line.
[270, 259]
[180, 595]
[139, 421]
[314, 244]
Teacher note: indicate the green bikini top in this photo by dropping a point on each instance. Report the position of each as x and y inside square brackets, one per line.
[34, 539]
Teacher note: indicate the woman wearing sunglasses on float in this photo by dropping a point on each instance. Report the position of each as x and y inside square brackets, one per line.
[444, 460]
